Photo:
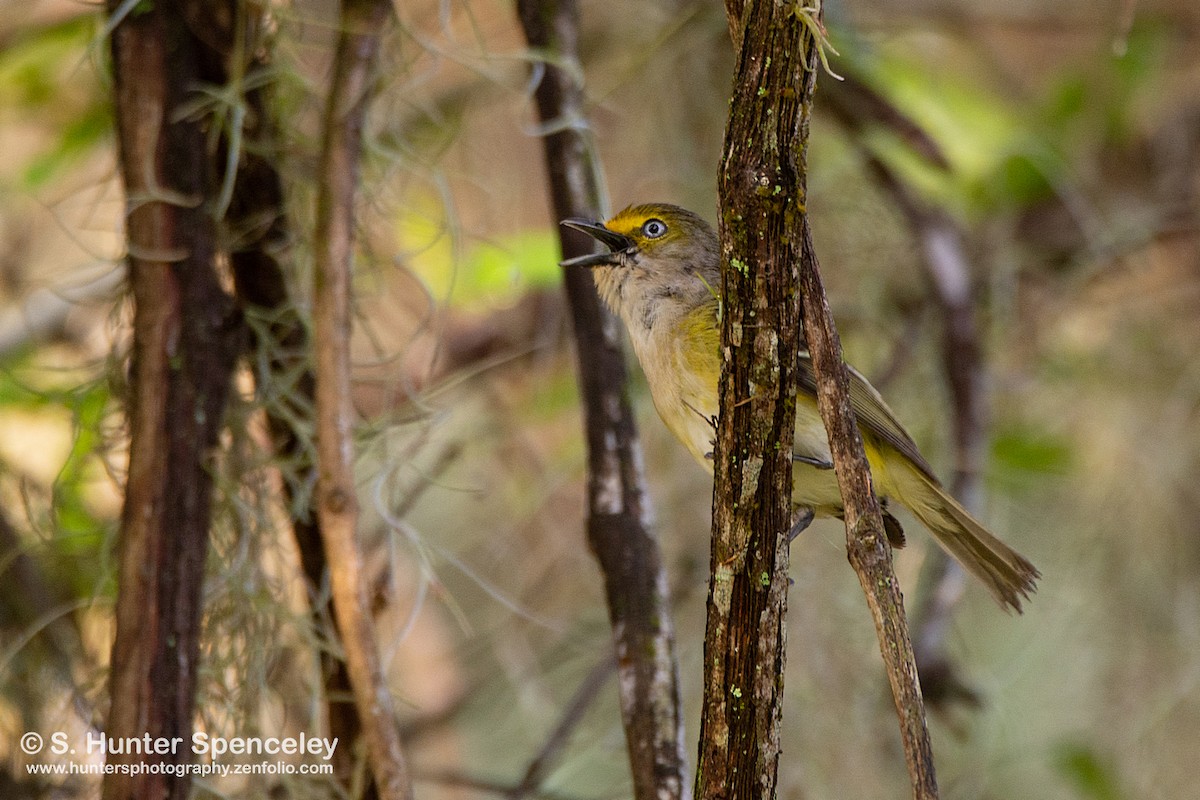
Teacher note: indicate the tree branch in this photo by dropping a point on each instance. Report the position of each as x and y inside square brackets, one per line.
[761, 186]
[257, 231]
[866, 543]
[617, 523]
[186, 338]
[337, 506]
[867, 546]
[857, 107]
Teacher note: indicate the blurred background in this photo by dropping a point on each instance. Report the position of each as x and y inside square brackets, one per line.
[1061, 142]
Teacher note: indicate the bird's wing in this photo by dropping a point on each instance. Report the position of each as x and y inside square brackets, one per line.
[871, 411]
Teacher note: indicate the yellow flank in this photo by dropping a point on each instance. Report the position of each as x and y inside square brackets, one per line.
[689, 350]
[700, 343]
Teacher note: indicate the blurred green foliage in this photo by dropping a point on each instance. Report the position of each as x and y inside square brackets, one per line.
[479, 274]
[1092, 777]
[69, 524]
[1008, 151]
[45, 76]
[1021, 453]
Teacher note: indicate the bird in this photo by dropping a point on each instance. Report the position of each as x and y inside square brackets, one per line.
[660, 273]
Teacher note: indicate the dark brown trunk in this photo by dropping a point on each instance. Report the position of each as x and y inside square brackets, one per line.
[186, 338]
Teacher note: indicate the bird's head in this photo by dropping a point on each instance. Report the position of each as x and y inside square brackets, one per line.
[655, 253]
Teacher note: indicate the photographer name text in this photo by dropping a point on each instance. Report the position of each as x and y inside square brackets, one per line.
[202, 744]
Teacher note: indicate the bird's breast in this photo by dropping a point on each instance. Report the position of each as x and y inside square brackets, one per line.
[680, 356]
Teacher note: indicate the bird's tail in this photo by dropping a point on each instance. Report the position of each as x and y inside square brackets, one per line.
[1005, 572]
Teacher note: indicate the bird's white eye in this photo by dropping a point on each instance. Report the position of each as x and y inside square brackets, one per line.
[654, 228]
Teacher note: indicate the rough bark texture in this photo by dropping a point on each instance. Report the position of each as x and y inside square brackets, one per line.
[617, 524]
[185, 339]
[762, 194]
[735, 541]
[337, 506]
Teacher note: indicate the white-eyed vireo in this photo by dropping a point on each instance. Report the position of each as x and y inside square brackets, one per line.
[661, 275]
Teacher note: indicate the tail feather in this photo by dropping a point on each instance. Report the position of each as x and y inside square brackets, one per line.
[1005, 572]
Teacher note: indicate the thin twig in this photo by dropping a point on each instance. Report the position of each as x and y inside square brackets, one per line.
[337, 505]
[541, 765]
[866, 542]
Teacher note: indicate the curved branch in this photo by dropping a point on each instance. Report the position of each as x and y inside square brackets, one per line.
[857, 106]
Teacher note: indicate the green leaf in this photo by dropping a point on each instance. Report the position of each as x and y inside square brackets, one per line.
[1029, 450]
[1090, 776]
[78, 139]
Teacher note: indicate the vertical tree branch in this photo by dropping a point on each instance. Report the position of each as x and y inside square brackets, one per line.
[185, 341]
[761, 186]
[867, 546]
[257, 231]
[337, 506]
[617, 523]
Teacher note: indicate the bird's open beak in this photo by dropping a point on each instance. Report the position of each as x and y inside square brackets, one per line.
[616, 243]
